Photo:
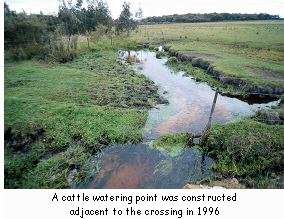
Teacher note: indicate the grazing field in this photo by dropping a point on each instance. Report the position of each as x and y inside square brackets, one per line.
[58, 115]
[252, 51]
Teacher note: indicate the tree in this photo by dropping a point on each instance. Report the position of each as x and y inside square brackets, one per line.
[25, 35]
[71, 23]
[97, 15]
[125, 21]
[139, 14]
[78, 19]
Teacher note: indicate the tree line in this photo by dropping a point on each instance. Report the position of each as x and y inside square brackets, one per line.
[211, 17]
[55, 36]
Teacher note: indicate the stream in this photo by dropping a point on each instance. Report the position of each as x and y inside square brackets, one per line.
[142, 166]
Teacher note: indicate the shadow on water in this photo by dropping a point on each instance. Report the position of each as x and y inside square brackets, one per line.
[140, 166]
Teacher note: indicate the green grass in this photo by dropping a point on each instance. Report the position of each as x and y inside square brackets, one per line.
[251, 50]
[59, 111]
[249, 150]
[172, 145]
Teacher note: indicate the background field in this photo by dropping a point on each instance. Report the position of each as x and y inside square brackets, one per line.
[253, 51]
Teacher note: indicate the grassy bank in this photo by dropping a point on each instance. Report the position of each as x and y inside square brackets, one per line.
[249, 150]
[248, 54]
[58, 115]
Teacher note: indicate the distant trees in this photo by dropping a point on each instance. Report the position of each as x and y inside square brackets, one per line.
[97, 18]
[211, 17]
[125, 21]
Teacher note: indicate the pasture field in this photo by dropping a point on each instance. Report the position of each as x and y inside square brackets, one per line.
[252, 50]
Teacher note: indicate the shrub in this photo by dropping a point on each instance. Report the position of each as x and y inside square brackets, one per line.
[63, 56]
[152, 47]
[61, 53]
[172, 60]
[160, 54]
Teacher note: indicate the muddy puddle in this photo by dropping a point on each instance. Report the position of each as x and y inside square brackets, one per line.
[141, 166]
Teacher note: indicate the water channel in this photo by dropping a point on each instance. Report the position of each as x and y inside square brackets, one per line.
[142, 166]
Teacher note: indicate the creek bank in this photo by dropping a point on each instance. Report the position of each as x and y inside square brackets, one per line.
[210, 69]
[251, 150]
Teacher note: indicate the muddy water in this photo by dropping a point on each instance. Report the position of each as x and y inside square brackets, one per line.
[140, 166]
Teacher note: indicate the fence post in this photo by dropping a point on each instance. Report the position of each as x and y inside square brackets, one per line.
[163, 37]
[208, 126]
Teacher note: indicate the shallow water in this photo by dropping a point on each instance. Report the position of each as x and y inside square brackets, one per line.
[140, 166]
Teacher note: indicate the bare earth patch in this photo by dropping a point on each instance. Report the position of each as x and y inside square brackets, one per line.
[208, 57]
[266, 74]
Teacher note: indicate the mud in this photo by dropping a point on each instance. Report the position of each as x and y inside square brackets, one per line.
[18, 141]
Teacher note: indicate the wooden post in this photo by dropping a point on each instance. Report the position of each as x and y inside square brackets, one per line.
[163, 37]
[49, 42]
[208, 126]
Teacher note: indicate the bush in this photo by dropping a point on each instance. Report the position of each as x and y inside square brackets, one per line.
[63, 56]
[61, 53]
[159, 55]
[172, 60]
[22, 53]
[18, 54]
[152, 47]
